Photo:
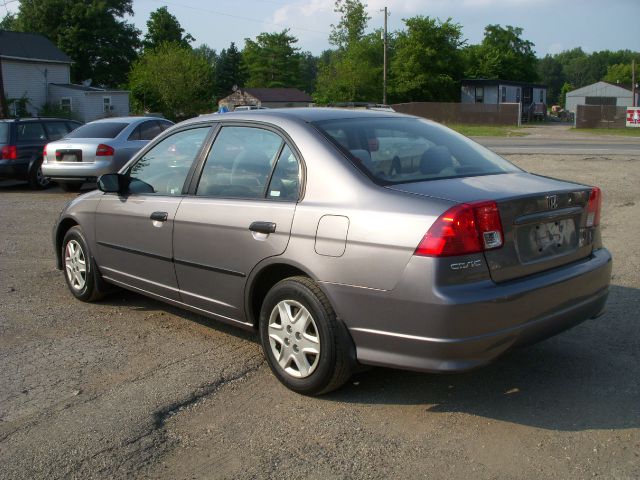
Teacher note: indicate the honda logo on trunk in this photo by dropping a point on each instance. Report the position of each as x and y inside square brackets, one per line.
[552, 201]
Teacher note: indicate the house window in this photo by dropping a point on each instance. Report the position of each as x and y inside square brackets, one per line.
[106, 104]
[504, 95]
[65, 104]
[541, 96]
[518, 95]
[479, 94]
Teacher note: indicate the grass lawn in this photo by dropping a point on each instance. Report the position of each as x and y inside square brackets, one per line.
[488, 130]
[624, 131]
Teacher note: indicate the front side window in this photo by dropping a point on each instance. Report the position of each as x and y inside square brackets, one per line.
[240, 163]
[164, 169]
[400, 150]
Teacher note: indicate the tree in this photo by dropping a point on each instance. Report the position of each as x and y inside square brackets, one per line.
[229, 71]
[427, 63]
[550, 73]
[352, 25]
[8, 22]
[272, 60]
[308, 72]
[163, 27]
[502, 54]
[619, 73]
[93, 33]
[174, 80]
[566, 88]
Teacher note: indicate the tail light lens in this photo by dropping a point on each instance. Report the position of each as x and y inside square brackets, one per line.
[593, 207]
[463, 229]
[44, 152]
[9, 152]
[104, 150]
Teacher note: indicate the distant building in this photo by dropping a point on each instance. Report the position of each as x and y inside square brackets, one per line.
[266, 97]
[600, 93]
[502, 91]
[34, 69]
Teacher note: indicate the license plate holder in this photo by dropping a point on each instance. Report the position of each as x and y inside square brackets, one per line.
[547, 239]
[68, 155]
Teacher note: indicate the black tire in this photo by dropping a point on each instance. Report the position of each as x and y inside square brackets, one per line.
[36, 180]
[90, 290]
[336, 352]
[70, 186]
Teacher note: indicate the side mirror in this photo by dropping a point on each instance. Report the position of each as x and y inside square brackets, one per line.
[113, 183]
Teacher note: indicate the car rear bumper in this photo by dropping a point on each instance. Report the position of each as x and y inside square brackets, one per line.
[18, 169]
[77, 171]
[458, 328]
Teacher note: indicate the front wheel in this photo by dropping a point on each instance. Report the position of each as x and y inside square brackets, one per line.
[305, 345]
[80, 272]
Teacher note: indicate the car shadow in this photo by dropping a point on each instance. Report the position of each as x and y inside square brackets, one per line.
[586, 378]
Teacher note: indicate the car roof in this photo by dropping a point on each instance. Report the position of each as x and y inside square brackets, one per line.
[128, 119]
[37, 119]
[301, 114]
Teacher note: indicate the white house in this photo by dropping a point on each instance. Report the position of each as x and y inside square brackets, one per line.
[600, 93]
[35, 70]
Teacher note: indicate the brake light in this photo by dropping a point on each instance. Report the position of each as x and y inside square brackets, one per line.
[104, 150]
[9, 152]
[593, 207]
[44, 152]
[463, 229]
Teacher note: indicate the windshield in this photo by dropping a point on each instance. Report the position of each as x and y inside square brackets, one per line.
[4, 132]
[400, 150]
[98, 130]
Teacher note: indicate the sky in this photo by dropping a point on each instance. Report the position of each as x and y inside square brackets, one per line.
[552, 25]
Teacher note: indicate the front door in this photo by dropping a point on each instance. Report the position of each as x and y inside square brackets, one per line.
[134, 232]
[241, 213]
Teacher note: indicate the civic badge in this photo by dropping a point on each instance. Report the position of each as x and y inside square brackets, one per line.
[552, 202]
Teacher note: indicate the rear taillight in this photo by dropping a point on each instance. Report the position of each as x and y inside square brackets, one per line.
[9, 152]
[104, 150]
[44, 152]
[463, 229]
[593, 207]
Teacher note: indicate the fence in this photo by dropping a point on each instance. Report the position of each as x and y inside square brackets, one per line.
[473, 113]
[600, 116]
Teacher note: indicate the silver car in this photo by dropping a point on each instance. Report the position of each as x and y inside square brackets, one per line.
[344, 237]
[101, 146]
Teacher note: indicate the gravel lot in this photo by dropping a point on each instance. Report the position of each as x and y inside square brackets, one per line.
[130, 387]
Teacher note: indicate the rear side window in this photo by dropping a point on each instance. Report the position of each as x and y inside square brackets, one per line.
[400, 150]
[146, 131]
[98, 130]
[31, 132]
[4, 132]
[239, 163]
[56, 130]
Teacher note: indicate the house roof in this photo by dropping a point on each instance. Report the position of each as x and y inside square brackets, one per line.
[597, 88]
[30, 46]
[279, 94]
[84, 88]
[496, 81]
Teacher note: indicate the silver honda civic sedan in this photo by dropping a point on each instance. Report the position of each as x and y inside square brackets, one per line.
[345, 238]
[101, 146]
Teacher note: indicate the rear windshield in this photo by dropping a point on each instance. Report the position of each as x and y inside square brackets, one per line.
[4, 132]
[98, 130]
[401, 150]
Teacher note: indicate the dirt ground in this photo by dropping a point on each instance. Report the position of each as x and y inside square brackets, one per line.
[130, 387]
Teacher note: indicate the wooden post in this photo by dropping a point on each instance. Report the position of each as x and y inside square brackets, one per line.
[633, 83]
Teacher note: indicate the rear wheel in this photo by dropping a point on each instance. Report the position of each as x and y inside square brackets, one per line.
[305, 345]
[80, 271]
[70, 186]
[37, 180]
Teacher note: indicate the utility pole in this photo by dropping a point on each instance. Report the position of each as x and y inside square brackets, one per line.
[633, 83]
[384, 68]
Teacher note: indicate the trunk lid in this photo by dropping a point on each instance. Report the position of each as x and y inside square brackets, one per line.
[544, 220]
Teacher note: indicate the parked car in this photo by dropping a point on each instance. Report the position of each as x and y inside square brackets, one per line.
[293, 222]
[21, 143]
[101, 146]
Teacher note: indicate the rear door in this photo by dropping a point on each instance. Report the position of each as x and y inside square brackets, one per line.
[134, 232]
[241, 212]
[30, 140]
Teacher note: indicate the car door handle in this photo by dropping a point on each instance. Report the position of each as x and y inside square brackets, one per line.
[159, 216]
[263, 227]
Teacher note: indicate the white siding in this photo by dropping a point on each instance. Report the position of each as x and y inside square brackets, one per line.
[491, 95]
[598, 89]
[29, 79]
[467, 94]
[94, 105]
[57, 92]
[536, 95]
[511, 94]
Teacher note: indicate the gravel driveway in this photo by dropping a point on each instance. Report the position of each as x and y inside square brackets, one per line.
[129, 387]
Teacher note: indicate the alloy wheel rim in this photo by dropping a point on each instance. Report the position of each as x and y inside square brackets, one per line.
[40, 178]
[294, 338]
[75, 265]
